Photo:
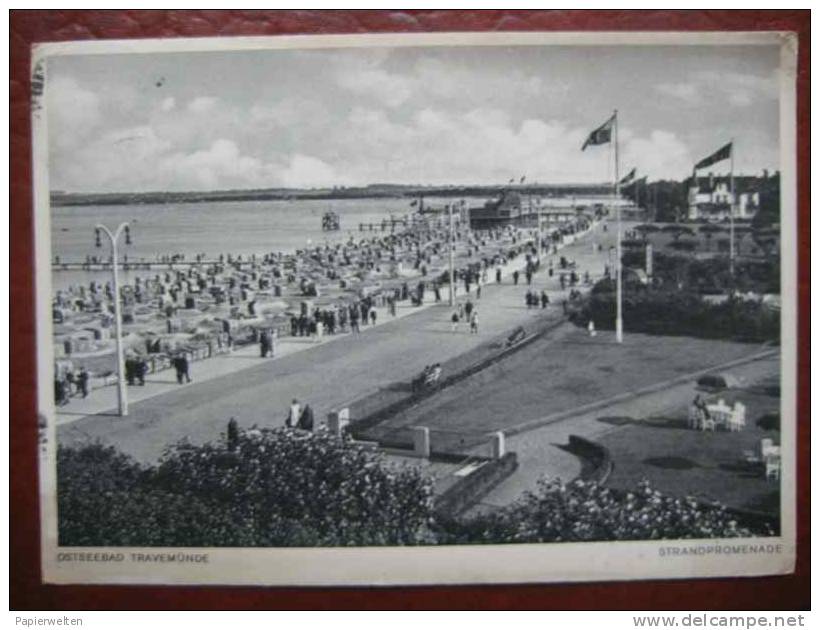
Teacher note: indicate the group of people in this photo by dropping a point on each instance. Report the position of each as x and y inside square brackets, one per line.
[430, 375]
[299, 417]
[465, 311]
[532, 299]
[242, 284]
[136, 368]
[68, 384]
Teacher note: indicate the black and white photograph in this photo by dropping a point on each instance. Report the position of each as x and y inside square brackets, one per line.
[398, 309]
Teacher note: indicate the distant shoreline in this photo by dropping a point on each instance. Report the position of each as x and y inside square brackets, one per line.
[278, 194]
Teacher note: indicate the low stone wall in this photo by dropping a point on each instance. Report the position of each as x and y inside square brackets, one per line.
[468, 491]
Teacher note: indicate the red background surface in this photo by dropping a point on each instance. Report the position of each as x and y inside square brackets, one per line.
[27, 591]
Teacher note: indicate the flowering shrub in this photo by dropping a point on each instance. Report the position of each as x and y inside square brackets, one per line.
[284, 488]
[276, 488]
[586, 511]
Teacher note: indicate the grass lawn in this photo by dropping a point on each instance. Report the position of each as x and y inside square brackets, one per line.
[560, 373]
[683, 461]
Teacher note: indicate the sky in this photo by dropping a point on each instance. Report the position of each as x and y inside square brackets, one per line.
[422, 115]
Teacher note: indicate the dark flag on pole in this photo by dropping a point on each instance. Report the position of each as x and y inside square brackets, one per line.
[627, 178]
[601, 135]
[723, 153]
[512, 180]
[414, 203]
[523, 177]
[633, 183]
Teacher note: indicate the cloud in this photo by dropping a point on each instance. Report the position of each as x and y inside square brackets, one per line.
[686, 92]
[305, 171]
[660, 154]
[364, 76]
[739, 89]
[432, 76]
[202, 104]
[72, 109]
[742, 89]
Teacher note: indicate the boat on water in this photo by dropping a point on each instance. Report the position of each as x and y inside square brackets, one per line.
[330, 221]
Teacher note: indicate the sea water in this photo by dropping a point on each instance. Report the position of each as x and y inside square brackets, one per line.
[212, 228]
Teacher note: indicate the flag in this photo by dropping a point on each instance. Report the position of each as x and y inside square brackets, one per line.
[634, 183]
[723, 153]
[512, 180]
[523, 177]
[627, 178]
[601, 135]
[414, 203]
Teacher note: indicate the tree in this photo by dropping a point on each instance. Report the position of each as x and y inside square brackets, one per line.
[677, 230]
[709, 230]
[769, 212]
[686, 245]
[645, 230]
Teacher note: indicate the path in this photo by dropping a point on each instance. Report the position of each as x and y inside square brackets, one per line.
[327, 375]
[539, 451]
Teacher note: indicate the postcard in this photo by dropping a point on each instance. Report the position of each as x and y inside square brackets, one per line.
[416, 309]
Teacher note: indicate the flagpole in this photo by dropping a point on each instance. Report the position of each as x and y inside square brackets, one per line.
[619, 322]
[732, 208]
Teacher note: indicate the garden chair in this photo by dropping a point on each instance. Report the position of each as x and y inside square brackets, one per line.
[737, 418]
[773, 467]
[708, 424]
[766, 446]
[694, 417]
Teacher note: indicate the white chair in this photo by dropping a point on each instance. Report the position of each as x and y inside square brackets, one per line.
[737, 418]
[694, 417]
[773, 467]
[708, 423]
[766, 446]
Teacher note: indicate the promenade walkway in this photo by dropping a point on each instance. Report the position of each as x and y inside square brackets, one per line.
[326, 375]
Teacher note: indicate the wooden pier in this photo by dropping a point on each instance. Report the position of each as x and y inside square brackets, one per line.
[140, 265]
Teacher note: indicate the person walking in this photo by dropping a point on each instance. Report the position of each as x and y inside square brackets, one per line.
[454, 321]
[183, 367]
[498, 275]
[82, 382]
[320, 330]
[515, 276]
[295, 413]
[142, 370]
[474, 323]
[468, 309]
[232, 434]
[264, 344]
[306, 419]
[373, 316]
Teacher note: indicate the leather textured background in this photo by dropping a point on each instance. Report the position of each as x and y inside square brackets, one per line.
[27, 592]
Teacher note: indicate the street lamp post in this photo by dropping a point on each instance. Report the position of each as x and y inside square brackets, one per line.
[122, 395]
[452, 262]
